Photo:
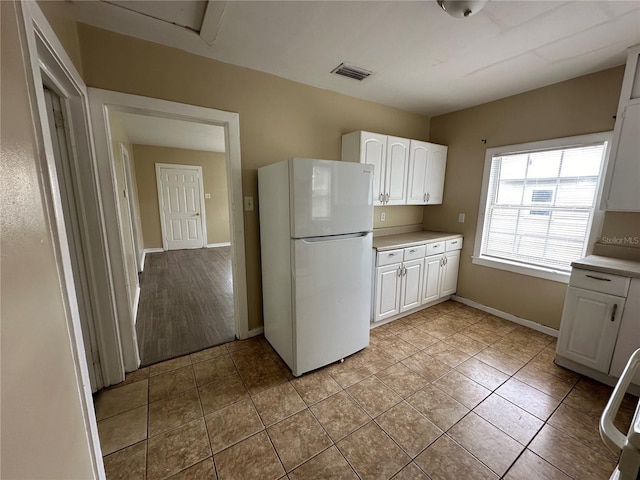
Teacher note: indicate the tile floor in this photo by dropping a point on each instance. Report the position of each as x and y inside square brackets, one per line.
[446, 393]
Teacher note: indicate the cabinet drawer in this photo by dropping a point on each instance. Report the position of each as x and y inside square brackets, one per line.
[599, 282]
[435, 248]
[413, 253]
[455, 244]
[389, 257]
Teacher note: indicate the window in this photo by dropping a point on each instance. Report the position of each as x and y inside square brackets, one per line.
[538, 206]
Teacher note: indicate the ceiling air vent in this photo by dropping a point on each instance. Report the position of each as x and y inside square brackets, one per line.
[350, 71]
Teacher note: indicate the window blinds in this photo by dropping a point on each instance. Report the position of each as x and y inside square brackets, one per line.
[540, 205]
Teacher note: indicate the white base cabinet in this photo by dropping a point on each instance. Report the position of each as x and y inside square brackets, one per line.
[423, 276]
[590, 323]
[600, 326]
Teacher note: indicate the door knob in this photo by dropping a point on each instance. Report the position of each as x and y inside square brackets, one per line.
[197, 214]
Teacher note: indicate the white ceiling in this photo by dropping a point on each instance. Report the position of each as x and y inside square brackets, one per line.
[424, 60]
[164, 132]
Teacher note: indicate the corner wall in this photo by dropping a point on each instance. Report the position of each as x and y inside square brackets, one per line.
[579, 106]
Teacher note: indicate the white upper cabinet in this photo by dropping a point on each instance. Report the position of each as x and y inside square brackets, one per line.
[390, 158]
[621, 191]
[397, 166]
[372, 148]
[427, 163]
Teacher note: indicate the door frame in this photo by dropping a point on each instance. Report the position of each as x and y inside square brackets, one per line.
[101, 103]
[126, 162]
[48, 63]
[203, 214]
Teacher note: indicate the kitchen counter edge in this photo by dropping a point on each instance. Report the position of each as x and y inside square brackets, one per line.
[614, 266]
[404, 240]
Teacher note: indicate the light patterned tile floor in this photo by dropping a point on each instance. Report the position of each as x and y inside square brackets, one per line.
[447, 393]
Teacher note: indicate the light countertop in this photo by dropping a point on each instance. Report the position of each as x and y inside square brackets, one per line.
[614, 266]
[403, 240]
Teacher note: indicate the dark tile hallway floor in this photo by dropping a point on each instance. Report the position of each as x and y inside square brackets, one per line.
[447, 393]
[186, 303]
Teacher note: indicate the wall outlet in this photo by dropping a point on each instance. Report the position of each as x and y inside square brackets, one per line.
[207, 196]
[461, 218]
[383, 217]
[248, 204]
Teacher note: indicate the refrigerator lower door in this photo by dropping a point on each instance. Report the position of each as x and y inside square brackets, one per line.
[329, 197]
[332, 298]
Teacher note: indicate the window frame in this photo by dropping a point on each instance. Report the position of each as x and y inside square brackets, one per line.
[594, 229]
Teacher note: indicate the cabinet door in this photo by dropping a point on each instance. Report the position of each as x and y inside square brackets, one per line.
[623, 190]
[411, 290]
[416, 185]
[629, 333]
[387, 291]
[449, 278]
[589, 327]
[431, 282]
[396, 170]
[373, 150]
[435, 173]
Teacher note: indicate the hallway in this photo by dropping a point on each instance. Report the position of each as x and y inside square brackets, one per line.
[186, 303]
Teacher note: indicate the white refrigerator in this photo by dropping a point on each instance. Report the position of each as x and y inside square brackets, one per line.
[316, 222]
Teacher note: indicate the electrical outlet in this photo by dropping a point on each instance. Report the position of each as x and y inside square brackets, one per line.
[248, 204]
[461, 218]
[383, 217]
[207, 196]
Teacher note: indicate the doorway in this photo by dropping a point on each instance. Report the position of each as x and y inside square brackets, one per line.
[104, 105]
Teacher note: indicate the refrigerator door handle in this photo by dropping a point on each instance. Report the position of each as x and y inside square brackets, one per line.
[333, 238]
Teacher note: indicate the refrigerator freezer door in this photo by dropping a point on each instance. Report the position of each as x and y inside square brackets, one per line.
[332, 299]
[330, 197]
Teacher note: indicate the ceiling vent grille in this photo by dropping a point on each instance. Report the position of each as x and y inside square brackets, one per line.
[350, 71]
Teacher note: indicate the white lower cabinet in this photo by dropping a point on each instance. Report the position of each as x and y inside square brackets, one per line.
[440, 276]
[590, 323]
[410, 290]
[425, 274]
[600, 326]
[449, 282]
[387, 291]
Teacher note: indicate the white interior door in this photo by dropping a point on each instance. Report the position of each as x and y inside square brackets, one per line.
[68, 192]
[181, 206]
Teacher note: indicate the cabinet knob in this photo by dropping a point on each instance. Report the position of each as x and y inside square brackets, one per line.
[428, 195]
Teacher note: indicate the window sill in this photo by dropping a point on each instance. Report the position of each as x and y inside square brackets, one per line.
[539, 272]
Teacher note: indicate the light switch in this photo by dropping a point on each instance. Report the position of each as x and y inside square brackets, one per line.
[207, 196]
[248, 204]
[461, 218]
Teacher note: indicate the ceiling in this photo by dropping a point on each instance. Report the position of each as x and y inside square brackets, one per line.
[165, 132]
[423, 60]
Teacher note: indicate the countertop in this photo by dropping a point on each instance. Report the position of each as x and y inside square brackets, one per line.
[614, 266]
[403, 240]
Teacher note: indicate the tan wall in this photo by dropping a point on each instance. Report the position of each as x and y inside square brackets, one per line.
[579, 106]
[214, 180]
[278, 118]
[397, 215]
[43, 431]
[621, 228]
[64, 28]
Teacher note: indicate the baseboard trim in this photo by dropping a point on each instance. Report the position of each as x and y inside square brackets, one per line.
[215, 245]
[507, 316]
[149, 250]
[136, 300]
[255, 332]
